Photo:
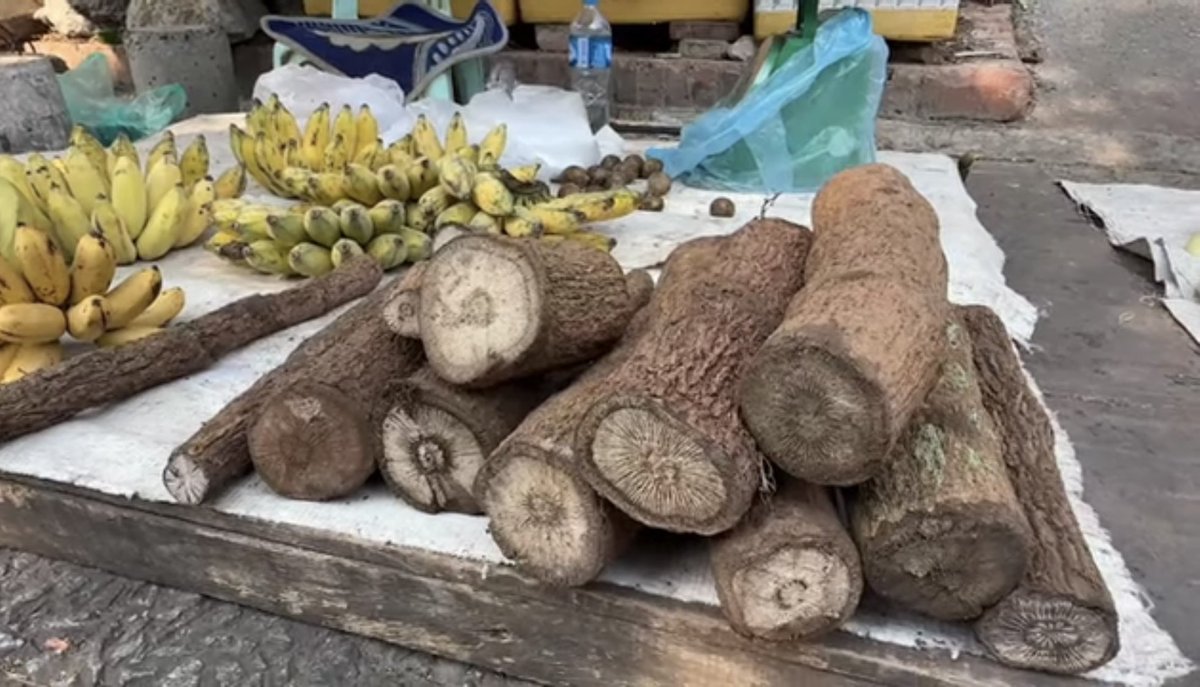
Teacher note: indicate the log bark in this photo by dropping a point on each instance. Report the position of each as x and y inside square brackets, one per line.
[662, 440]
[789, 570]
[318, 436]
[218, 453]
[939, 528]
[1061, 617]
[108, 375]
[436, 437]
[403, 312]
[861, 345]
[495, 309]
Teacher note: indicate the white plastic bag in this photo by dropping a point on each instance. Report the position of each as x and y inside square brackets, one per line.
[303, 89]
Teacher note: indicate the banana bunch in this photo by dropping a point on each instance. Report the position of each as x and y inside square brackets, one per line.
[311, 240]
[142, 212]
[43, 297]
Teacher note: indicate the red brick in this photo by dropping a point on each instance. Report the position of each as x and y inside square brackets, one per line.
[996, 90]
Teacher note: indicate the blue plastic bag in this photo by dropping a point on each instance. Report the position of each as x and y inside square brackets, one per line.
[812, 118]
[93, 104]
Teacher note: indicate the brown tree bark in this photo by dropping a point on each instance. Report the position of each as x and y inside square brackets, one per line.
[1061, 617]
[939, 527]
[662, 439]
[107, 375]
[788, 571]
[495, 309]
[218, 452]
[436, 437]
[317, 436]
[403, 312]
[861, 345]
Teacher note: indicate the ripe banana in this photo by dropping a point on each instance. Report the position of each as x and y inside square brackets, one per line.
[597, 207]
[123, 147]
[14, 173]
[93, 268]
[164, 226]
[10, 210]
[366, 129]
[87, 144]
[164, 150]
[127, 335]
[523, 225]
[70, 219]
[7, 353]
[482, 221]
[557, 221]
[387, 216]
[459, 213]
[226, 244]
[356, 224]
[366, 154]
[491, 148]
[316, 138]
[491, 195]
[323, 226]
[194, 163]
[231, 183]
[393, 183]
[286, 229]
[284, 123]
[337, 154]
[108, 223]
[85, 180]
[42, 263]
[343, 251]
[30, 358]
[266, 257]
[457, 176]
[310, 260]
[526, 173]
[389, 250]
[29, 323]
[196, 220]
[162, 310]
[251, 223]
[13, 288]
[165, 176]
[588, 238]
[132, 296]
[326, 188]
[362, 185]
[295, 180]
[422, 176]
[456, 133]
[425, 140]
[87, 320]
[469, 153]
[403, 146]
[130, 196]
[429, 206]
[418, 245]
[40, 178]
[345, 126]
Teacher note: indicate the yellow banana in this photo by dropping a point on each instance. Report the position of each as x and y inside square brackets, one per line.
[293, 157]
[456, 133]
[457, 176]
[286, 229]
[523, 225]
[366, 129]
[162, 310]
[231, 183]
[42, 263]
[398, 155]
[316, 138]
[251, 222]
[356, 224]
[7, 353]
[491, 195]
[425, 140]
[366, 154]
[107, 221]
[343, 251]
[164, 150]
[310, 260]
[403, 146]
[387, 216]
[362, 184]
[327, 188]
[266, 257]
[165, 176]
[429, 206]
[164, 226]
[198, 216]
[469, 153]
[337, 154]
[87, 320]
[270, 156]
[13, 287]
[345, 126]
[13, 172]
[418, 245]
[194, 163]
[10, 212]
[459, 213]
[285, 123]
[130, 197]
[422, 176]
[482, 221]
[381, 158]
[526, 173]
[322, 226]
[29, 323]
[132, 296]
[37, 173]
[30, 358]
[86, 182]
[597, 207]
[393, 183]
[389, 250]
[71, 221]
[87, 144]
[491, 148]
[226, 244]
[259, 117]
[237, 144]
[127, 335]
[557, 221]
[123, 147]
[295, 180]
[93, 268]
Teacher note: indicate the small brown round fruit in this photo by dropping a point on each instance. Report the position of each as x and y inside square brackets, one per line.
[635, 162]
[575, 174]
[600, 176]
[659, 184]
[630, 170]
[651, 167]
[617, 179]
[722, 207]
[651, 203]
[610, 161]
[567, 189]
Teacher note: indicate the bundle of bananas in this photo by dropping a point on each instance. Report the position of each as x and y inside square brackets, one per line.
[311, 240]
[142, 214]
[42, 298]
[441, 180]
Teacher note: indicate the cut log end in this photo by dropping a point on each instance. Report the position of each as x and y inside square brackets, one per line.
[431, 459]
[184, 480]
[815, 414]
[297, 432]
[480, 307]
[402, 313]
[1049, 633]
[793, 592]
[546, 520]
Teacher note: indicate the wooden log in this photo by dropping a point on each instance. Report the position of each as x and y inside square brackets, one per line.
[217, 453]
[939, 527]
[403, 312]
[789, 570]
[861, 345]
[436, 437]
[1061, 617]
[107, 375]
[495, 309]
[317, 436]
[663, 440]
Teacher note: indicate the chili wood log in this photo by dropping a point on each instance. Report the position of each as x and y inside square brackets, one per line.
[106, 375]
[1061, 617]
[789, 570]
[861, 345]
[662, 439]
[939, 527]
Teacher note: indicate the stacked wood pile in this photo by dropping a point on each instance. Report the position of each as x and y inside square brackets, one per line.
[773, 373]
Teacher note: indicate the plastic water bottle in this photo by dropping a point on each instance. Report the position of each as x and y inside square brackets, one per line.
[591, 61]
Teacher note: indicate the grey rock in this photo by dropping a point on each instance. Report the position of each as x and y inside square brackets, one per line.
[239, 18]
[743, 49]
[33, 115]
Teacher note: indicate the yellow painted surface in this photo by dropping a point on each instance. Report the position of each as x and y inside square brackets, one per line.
[900, 25]
[637, 11]
[372, 8]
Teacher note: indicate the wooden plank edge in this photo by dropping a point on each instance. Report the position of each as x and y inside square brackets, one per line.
[492, 615]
